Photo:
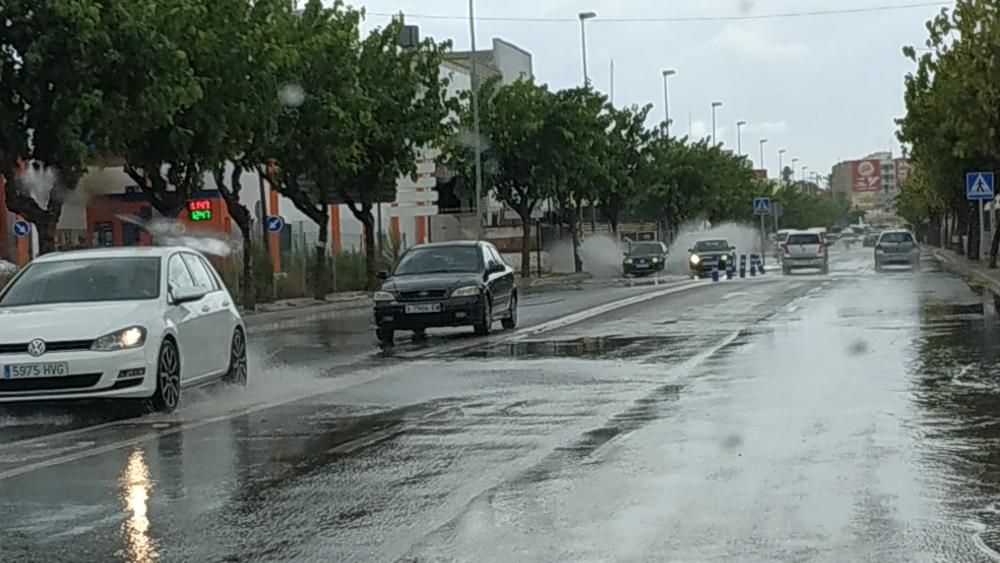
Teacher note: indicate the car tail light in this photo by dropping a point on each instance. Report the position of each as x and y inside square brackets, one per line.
[821, 247]
[878, 247]
[785, 246]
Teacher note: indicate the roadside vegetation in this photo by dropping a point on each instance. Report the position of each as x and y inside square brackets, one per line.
[178, 91]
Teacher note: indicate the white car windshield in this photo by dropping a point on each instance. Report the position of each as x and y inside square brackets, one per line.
[85, 280]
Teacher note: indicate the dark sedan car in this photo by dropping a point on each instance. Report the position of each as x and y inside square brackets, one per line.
[644, 258]
[707, 254]
[446, 284]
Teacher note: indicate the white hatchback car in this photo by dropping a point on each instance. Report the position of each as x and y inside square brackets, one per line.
[118, 323]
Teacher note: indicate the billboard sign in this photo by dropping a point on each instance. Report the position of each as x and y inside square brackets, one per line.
[866, 176]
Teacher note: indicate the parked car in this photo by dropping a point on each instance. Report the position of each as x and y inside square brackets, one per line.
[644, 258]
[870, 240]
[805, 249]
[447, 284]
[898, 247]
[779, 241]
[707, 254]
[123, 323]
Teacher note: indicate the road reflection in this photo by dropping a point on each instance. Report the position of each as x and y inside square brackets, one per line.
[136, 487]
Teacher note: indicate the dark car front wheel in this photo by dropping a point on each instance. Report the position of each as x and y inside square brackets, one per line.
[510, 321]
[484, 326]
[385, 336]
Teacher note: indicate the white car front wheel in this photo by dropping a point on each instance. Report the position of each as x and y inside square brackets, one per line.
[237, 374]
[167, 395]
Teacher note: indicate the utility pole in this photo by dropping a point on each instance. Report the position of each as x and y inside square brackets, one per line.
[476, 132]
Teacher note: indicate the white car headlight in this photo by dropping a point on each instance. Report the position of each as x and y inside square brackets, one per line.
[656, 259]
[629, 260]
[468, 291]
[131, 337]
[695, 259]
[383, 296]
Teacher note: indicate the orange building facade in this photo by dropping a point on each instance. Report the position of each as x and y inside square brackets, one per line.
[119, 219]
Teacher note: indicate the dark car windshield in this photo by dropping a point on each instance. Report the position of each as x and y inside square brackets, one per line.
[85, 280]
[803, 239]
[440, 260]
[897, 238]
[646, 249]
[711, 246]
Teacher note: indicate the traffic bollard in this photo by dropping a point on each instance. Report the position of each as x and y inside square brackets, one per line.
[760, 266]
[753, 265]
[715, 273]
[743, 265]
[729, 270]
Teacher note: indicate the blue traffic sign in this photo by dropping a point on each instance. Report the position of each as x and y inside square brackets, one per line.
[762, 206]
[980, 186]
[275, 224]
[21, 228]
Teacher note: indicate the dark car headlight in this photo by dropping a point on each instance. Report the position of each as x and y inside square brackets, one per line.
[467, 291]
[382, 296]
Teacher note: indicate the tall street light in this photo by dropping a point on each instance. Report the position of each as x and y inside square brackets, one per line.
[666, 99]
[794, 160]
[762, 143]
[781, 170]
[584, 16]
[739, 137]
[804, 187]
[714, 106]
[476, 133]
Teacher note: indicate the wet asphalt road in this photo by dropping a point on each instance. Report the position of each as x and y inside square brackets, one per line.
[854, 417]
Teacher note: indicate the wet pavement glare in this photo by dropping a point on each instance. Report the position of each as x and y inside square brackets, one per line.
[849, 417]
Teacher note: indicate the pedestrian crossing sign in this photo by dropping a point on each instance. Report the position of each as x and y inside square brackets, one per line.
[979, 186]
[762, 206]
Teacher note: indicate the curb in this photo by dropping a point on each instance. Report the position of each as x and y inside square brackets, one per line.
[966, 271]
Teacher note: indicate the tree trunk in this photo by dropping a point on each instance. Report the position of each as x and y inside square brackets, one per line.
[321, 278]
[247, 279]
[371, 263]
[46, 230]
[525, 246]
[574, 228]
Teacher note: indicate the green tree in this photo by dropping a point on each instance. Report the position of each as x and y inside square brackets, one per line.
[513, 121]
[627, 144]
[78, 78]
[317, 136]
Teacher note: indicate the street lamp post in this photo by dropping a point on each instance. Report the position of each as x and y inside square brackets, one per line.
[584, 16]
[762, 143]
[476, 132]
[781, 170]
[739, 137]
[714, 106]
[666, 99]
[794, 160]
[804, 187]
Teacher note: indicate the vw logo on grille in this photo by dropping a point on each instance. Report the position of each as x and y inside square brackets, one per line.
[36, 347]
[424, 293]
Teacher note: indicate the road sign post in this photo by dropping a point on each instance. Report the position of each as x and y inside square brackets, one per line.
[275, 224]
[21, 228]
[980, 186]
[762, 208]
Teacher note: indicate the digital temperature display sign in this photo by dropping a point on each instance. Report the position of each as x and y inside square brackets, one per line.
[200, 210]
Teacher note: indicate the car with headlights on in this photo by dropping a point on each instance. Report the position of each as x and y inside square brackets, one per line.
[708, 254]
[446, 284]
[644, 258]
[896, 247]
[136, 324]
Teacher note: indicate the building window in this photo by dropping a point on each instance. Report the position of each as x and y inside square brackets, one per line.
[104, 234]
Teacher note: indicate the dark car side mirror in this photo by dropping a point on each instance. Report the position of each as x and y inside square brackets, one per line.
[495, 268]
[732, 249]
[382, 275]
[690, 250]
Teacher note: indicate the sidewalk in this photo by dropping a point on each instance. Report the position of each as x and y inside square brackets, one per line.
[977, 272]
[292, 312]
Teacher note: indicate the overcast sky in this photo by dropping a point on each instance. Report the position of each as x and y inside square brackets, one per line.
[824, 87]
